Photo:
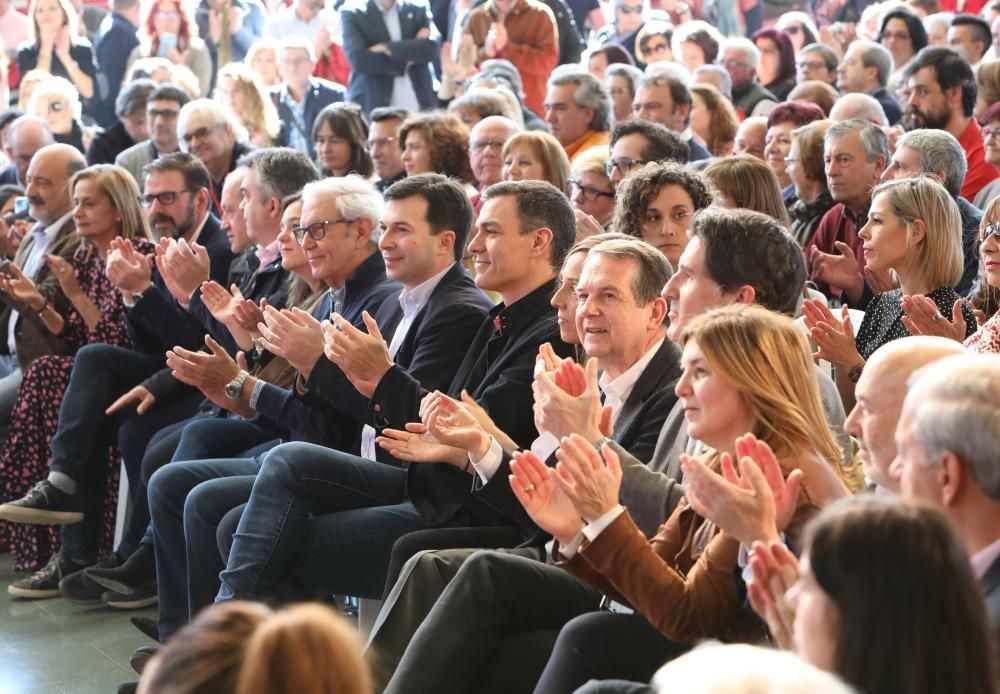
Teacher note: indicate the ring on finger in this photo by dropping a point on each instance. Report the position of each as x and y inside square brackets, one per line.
[528, 487]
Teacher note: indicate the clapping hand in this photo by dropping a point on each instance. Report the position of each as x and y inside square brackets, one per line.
[183, 266]
[363, 357]
[835, 338]
[751, 505]
[542, 498]
[590, 483]
[209, 372]
[562, 413]
[64, 273]
[775, 570]
[921, 317]
[130, 271]
[20, 288]
[838, 270]
[451, 423]
[293, 335]
[417, 445]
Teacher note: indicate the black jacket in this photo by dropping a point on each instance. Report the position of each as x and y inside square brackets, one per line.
[319, 94]
[109, 144]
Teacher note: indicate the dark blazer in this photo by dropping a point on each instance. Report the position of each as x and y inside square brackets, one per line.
[116, 39]
[302, 414]
[372, 74]
[31, 338]
[697, 152]
[109, 144]
[8, 176]
[637, 429]
[889, 104]
[497, 371]
[157, 322]
[991, 591]
[320, 94]
[433, 347]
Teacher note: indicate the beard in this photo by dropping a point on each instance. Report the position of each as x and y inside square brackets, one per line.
[922, 119]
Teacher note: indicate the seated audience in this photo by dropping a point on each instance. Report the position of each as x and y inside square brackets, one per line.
[653, 40]
[340, 138]
[815, 92]
[577, 110]
[713, 120]
[695, 44]
[991, 146]
[602, 57]
[801, 29]
[818, 62]
[859, 106]
[477, 104]
[486, 146]
[242, 92]
[591, 192]
[162, 110]
[208, 131]
[903, 35]
[666, 100]
[384, 148]
[776, 71]
[987, 89]
[782, 119]
[750, 137]
[741, 59]
[865, 69]
[25, 136]
[807, 172]
[435, 143]
[535, 156]
[262, 57]
[748, 183]
[637, 142]
[128, 129]
[57, 101]
[621, 82]
[627, 20]
[168, 31]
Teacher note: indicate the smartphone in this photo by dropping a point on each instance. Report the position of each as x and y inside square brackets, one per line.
[20, 206]
[167, 41]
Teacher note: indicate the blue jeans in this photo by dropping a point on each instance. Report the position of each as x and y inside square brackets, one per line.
[187, 501]
[321, 520]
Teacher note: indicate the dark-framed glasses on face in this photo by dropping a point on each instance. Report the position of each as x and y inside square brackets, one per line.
[589, 192]
[624, 165]
[167, 197]
[316, 230]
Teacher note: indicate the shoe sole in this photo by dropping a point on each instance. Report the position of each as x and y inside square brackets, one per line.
[110, 583]
[33, 593]
[138, 661]
[134, 604]
[82, 601]
[32, 516]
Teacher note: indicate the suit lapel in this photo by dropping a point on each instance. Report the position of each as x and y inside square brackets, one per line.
[377, 22]
[658, 374]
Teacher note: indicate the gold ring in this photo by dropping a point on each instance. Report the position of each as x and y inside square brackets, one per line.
[528, 487]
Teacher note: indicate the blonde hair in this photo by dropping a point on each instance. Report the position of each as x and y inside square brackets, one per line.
[305, 649]
[259, 115]
[938, 257]
[766, 357]
[555, 163]
[591, 161]
[119, 185]
[70, 17]
[748, 183]
[988, 81]
[32, 78]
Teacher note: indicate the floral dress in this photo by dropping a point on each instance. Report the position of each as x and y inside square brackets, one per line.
[25, 457]
[987, 339]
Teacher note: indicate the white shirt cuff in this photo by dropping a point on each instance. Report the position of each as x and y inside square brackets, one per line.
[592, 530]
[567, 551]
[488, 465]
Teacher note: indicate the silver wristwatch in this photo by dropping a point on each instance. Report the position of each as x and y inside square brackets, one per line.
[235, 386]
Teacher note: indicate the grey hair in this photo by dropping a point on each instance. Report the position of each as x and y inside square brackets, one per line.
[872, 138]
[281, 171]
[938, 18]
[630, 72]
[856, 106]
[959, 412]
[356, 198]
[745, 46]
[829, 55]
[939, 151]
[878, 56]
[589, 93]
[724, 82]
[220, 117]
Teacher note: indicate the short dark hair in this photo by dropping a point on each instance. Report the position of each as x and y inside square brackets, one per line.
[448, 207]
[133, 97]
[387, 113]
[195, 174]
[169, 92]
[280, 171]
[661, 143]
[950, 70]
[9, 115]
[746, 247]
[979, 25]
[680, 95]
[541, 204]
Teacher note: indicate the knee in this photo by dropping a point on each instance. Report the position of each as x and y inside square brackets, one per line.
[202, 506]
[582, 632]
[167, 489]
[95, 353]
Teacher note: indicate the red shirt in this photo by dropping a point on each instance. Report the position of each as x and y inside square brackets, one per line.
[980, 171]
[971, 6]
[838, 224]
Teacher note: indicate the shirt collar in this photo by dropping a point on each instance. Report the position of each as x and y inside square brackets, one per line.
[53, 229]
[525, 310]
[267, 254]
[412, 300]
[983, 559]
[621, 387]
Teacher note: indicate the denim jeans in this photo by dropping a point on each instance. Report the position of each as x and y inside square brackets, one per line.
[187, 501]
[323, 519]
[10, 383]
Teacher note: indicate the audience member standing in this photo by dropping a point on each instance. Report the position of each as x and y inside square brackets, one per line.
[56, 47]
[116, 39]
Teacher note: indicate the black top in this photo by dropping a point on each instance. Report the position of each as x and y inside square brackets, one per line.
[109, 144]
[81, 52]
[883, 318]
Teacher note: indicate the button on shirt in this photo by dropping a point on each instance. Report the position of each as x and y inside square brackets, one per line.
[403, 95]
[411, 301]
[43, 237]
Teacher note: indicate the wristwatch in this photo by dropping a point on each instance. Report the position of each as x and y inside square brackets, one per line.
[235, 386]
[602, 442]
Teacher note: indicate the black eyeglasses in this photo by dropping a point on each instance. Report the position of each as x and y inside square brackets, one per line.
[199, 134]
[624, 165]
[167, 197]
[316, 230]
[589, 192]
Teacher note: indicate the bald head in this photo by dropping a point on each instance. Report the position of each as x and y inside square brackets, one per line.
[488, 161]
[47, 179]
[750, 137]
[860, 106]
[880, 393]
[25, 136]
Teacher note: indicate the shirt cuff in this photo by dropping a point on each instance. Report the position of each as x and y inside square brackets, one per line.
[488, 465]
[592, 530]
[568, 551]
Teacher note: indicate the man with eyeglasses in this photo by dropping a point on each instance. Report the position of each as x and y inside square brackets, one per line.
[816, 61]
[625, 26]
[162, 110]
[486, 151]
[865, 69]
[741, 58]
[637, 142]
[577, 109]
[177, 199]
[383, 145]
[206, 130]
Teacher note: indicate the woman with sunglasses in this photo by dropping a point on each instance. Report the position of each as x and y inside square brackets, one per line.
[800, 29]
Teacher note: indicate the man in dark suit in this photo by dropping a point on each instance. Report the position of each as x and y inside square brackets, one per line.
[116, 37]
[524, 230]
[390, 45]
[178, 201]
[300, 96]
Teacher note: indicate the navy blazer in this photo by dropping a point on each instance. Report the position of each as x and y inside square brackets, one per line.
[430, 353]
[320, 94]
[116, 38]
[372, 73]
[497, 371]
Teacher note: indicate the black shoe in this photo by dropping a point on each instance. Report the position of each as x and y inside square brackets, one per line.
[128, 688]
[141, 657]
[45, 504]
[136, 572]
[144, 596]
[147, 626]
[44, 583]
[78, 589]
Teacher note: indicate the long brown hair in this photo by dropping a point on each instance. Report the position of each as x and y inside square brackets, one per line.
[724, 122]
[748, 183]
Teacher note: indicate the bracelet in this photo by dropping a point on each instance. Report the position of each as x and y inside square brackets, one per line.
[44, 308]
[258, 387]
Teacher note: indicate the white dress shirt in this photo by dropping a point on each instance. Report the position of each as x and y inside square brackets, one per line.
[43, 237]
